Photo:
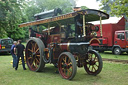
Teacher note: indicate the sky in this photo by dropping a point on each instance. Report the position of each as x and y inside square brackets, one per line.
[91, 4]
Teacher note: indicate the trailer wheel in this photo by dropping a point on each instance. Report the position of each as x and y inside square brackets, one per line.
[67, 65]
[93, 63]
[34, 54]
[117, 51]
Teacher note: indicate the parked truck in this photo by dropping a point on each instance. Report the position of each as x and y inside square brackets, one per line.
[113, 37]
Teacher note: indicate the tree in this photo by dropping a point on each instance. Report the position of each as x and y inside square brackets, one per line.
[119, 7]
[15, 12]
[10, 17]
[84, 7]
[46, 5]
[36, 6]
[115, 7]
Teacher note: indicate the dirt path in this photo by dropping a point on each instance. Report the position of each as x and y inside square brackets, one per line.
[115, 60]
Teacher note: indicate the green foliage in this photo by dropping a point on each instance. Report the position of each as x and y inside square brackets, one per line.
[119, 7]
[10, 17]
[111, 74]
[15, 12]
[36, 6]
[115, 7]
[45, 5]
[84, 7]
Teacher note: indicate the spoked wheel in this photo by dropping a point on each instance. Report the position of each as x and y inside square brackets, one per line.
[34, 54]
[67, 65]
[93, 63]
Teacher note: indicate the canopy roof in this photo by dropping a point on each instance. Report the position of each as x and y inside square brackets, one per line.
[90, 15]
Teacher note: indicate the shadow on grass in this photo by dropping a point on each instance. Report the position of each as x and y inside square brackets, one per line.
[5, 54]
[49, 69]
[79, 77]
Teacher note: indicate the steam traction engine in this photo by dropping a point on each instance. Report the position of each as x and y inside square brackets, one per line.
[65, 43]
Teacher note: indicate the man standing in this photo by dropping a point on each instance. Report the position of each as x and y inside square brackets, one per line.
[20, 49]
[13, 52]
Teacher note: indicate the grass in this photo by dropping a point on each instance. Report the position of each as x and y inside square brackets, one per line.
[108, 54]
[111, 74]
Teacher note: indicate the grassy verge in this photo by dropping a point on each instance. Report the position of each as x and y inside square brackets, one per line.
[112, 74]
[108, 54]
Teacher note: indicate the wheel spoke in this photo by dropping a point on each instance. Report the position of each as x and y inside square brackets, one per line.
[35, 46]
[96, 65]
[94, 68]
[37, 50]
[89, 66]
[69, 72]
[38, 55]
[32, 64]
[71, 67]
[29, 58]
[96, 61]
[94, 58]
[37, 60]
[64, 71]
[32, 46]
[62, 63]
[69, 61]
[30, 50]
[65, 59]
[35, 63]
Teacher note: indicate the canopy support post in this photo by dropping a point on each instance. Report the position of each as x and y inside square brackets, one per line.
[37, 28]
[101, 26]
[59, 26]
[84, 30]
[48, 29]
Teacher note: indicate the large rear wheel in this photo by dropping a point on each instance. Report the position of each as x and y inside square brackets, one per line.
[34, 54]
[93, 63]
[67, 65]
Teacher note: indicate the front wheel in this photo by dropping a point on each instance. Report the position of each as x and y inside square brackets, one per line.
[67, 65]
[93, 63]
[117, 51]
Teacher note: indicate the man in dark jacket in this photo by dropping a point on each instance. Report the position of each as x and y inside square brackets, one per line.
[20, 49]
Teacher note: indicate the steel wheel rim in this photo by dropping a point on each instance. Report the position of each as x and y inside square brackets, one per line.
[92, 63]
[32, 55]
[117, 50]
[65, 66]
